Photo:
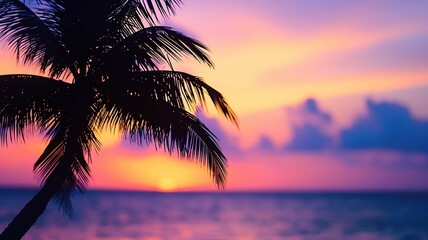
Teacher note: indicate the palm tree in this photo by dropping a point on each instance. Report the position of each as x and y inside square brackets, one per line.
[101, 67]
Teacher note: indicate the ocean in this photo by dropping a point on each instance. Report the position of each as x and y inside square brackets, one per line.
[106, 215]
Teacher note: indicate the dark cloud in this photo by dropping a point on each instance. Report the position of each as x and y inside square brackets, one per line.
[309, 131]
[308, 138]
[308, 123]
[386, 126]
[311, 106]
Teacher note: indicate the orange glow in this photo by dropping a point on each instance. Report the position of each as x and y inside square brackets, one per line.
[9, 64]
[153, 171]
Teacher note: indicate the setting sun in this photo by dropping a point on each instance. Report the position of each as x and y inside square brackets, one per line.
[152, 171]
[167, 184]
[165, 174]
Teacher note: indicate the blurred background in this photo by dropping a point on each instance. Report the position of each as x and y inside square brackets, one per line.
[333, 140]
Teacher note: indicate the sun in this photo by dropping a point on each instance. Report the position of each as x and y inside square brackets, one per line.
[167, 184]
[156, 171]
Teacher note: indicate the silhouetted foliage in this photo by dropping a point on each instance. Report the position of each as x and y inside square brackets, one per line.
[108, 54]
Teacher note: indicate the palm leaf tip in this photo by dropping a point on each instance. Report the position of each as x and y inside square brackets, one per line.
[160, 44]
[204, 146]
[219, 174]
[152, 8]
[224, 108]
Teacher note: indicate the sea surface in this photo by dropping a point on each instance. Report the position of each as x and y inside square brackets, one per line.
[205, 216]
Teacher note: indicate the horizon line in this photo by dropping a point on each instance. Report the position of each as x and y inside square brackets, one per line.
[240, 191]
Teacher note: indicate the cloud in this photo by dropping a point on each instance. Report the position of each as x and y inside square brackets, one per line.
[308, 129]
[309, 138]
[310, 106]
[309, 132]
[387, 126]
[265, 144]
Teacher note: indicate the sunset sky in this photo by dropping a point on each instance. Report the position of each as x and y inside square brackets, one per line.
[330, 95]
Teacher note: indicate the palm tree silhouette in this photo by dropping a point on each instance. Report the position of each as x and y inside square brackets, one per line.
[108, 54]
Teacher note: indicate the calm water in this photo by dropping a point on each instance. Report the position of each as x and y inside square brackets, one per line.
[199, 216]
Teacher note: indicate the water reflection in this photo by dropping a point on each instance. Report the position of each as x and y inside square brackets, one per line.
[199, 216]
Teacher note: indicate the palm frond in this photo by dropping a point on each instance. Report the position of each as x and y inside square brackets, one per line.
[152, 8]
[32, 39]
[130, 14]
[152, 121]
[72, 140]
[180, 89]
[28, 101]
[125, 19]
[72, 131]
[149, 47]
[67, 159]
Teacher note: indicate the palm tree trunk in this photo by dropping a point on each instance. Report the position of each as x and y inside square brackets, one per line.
[35, 207]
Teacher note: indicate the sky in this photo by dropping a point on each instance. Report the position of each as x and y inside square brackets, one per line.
[330, 95]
